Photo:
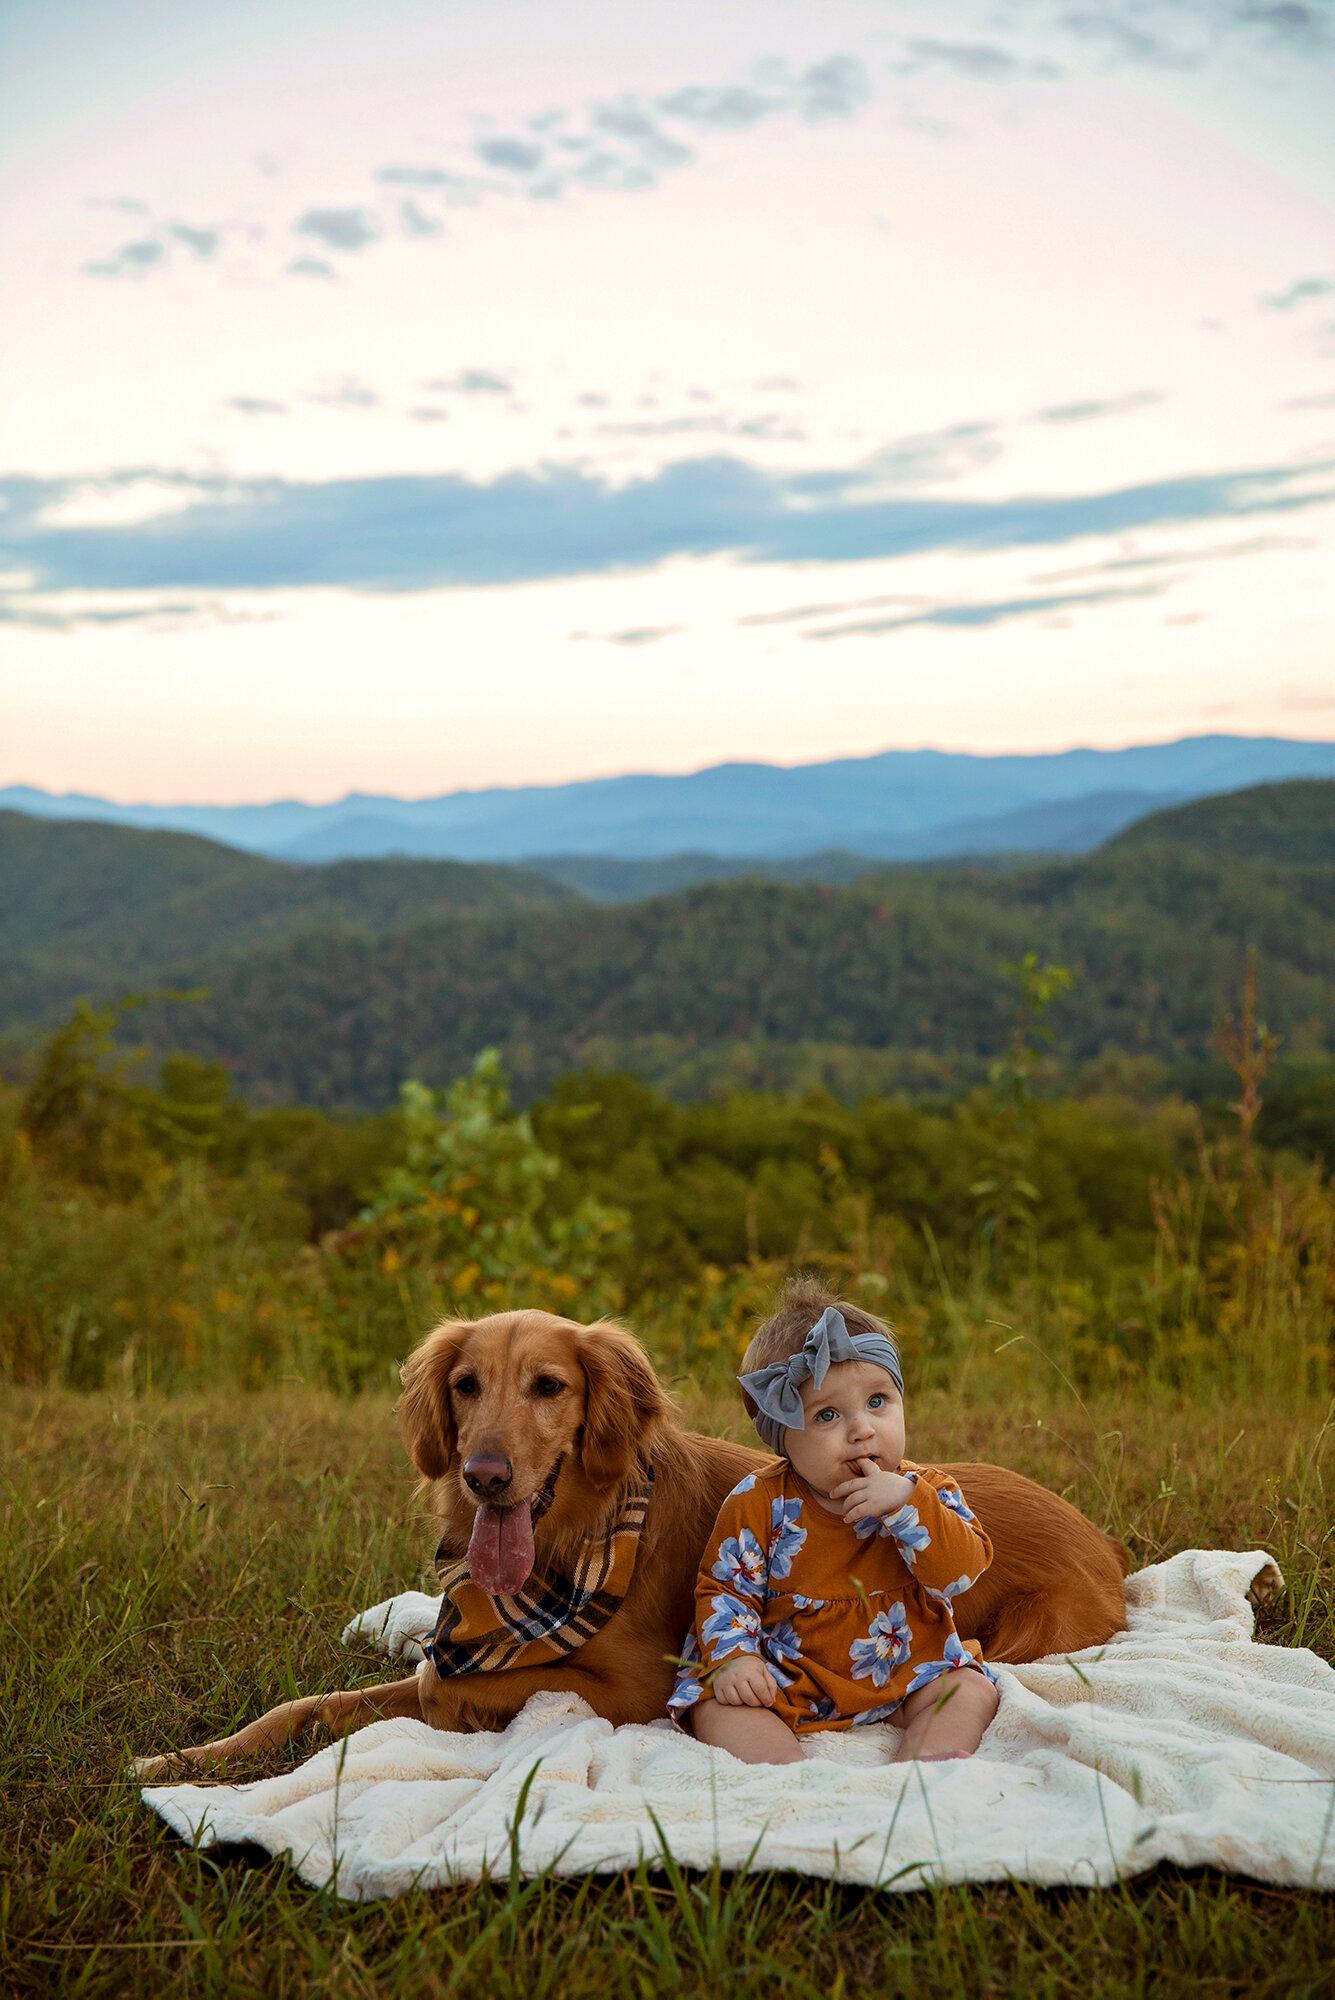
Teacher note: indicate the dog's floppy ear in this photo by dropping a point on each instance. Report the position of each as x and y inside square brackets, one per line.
[424, 1412]
[623, 1400]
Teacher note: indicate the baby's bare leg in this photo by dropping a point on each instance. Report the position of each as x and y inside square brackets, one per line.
[755, 1735]
[948, 1717]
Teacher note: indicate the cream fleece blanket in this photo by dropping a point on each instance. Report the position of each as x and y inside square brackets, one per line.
[1180, 1741]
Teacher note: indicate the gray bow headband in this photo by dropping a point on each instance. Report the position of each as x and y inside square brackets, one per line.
[775, 1390]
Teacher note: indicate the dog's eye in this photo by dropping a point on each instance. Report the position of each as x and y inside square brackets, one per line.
[547, 1385]
[466, 1386]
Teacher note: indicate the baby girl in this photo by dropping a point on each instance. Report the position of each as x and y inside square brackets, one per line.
[824, 1594]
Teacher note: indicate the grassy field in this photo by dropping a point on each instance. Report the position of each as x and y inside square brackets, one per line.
[170, 1568]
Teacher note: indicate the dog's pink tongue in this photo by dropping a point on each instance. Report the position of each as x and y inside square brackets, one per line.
[500, 1550]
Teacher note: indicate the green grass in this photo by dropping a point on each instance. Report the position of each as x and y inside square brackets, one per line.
[168, 1569]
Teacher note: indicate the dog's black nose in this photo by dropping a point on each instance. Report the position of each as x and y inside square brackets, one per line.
[489, 1478]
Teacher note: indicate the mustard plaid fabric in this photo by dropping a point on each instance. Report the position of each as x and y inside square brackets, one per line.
[552, 1615]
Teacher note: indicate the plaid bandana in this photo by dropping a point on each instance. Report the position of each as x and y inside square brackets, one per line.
[551, 1616]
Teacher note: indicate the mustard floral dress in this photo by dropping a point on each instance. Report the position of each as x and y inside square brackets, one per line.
[849, 1620]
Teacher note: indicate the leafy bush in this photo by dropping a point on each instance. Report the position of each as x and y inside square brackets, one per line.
[167, 1234]
[471, 1204]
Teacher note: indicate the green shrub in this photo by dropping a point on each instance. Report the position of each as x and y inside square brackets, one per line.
[165, 1235]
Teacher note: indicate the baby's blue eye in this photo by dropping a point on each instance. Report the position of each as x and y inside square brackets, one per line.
[875, 1402]
[826, 1413]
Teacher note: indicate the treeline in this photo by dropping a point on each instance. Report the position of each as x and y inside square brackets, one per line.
[332, 986]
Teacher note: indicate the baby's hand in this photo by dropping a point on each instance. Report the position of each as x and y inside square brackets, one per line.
[872, 1493]
[745, 1683]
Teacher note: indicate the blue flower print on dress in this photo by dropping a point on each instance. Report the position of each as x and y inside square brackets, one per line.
[743, 1485]
[908, 1531]
[881, 1714]
[824, 1709]
[741, 1564]
[953, 1657]
[780, 1646]
[734, 1627]
[950, 1496]
[786, 1538]
[871, 1524]
[951, 1590]
[688, 1689]
[801, 1603]
[886, 1647]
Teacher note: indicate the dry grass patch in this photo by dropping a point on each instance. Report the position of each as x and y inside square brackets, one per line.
[168, 1569]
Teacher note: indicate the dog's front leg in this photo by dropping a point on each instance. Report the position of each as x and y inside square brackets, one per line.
[334, 1713]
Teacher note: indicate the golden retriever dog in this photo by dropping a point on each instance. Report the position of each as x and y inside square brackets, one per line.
[530, 1430]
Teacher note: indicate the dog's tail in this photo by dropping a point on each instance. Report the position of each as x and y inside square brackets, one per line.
[1121, 1551]
[331, 1713]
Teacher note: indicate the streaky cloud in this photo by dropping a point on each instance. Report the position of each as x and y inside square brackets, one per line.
[642, 635]
[626, 145]
[422, 531]
[834, 88]
[347, 393]
[339, 228]
[704, 423]
[629, 120]
[149, 253]
[20, 612]
[1110, 30]
[1256, 545]
[802, 614]
[976, 62]
[512, 156]
[997, 612]
[1086, 410]
[1302, 292]
[1287, 21]
[204, 242]
[132, 260]
[414, 220]
[718, 108]
[426, 178]
[471, 382]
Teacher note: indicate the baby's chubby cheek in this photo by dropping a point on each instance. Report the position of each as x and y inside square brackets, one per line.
[820, 1460]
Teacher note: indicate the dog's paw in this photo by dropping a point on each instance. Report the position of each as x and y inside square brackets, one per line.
[145, 1769]
[1265, 1586]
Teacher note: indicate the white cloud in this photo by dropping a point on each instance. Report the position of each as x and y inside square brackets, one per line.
[974, 233]
[338, 228]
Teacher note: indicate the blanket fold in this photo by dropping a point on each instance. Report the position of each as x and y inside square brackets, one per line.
[1181, 1740]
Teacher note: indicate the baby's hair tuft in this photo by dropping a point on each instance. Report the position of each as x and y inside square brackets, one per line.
[803, 1299]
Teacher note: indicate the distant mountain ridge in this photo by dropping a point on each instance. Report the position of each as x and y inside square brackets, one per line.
[897, 805]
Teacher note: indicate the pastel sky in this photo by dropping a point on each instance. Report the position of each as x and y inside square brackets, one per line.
[404, 397]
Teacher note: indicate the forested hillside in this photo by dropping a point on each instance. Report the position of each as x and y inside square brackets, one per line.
[892, 977]
[94, 909]
[1290, 823]
[170, 1224]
